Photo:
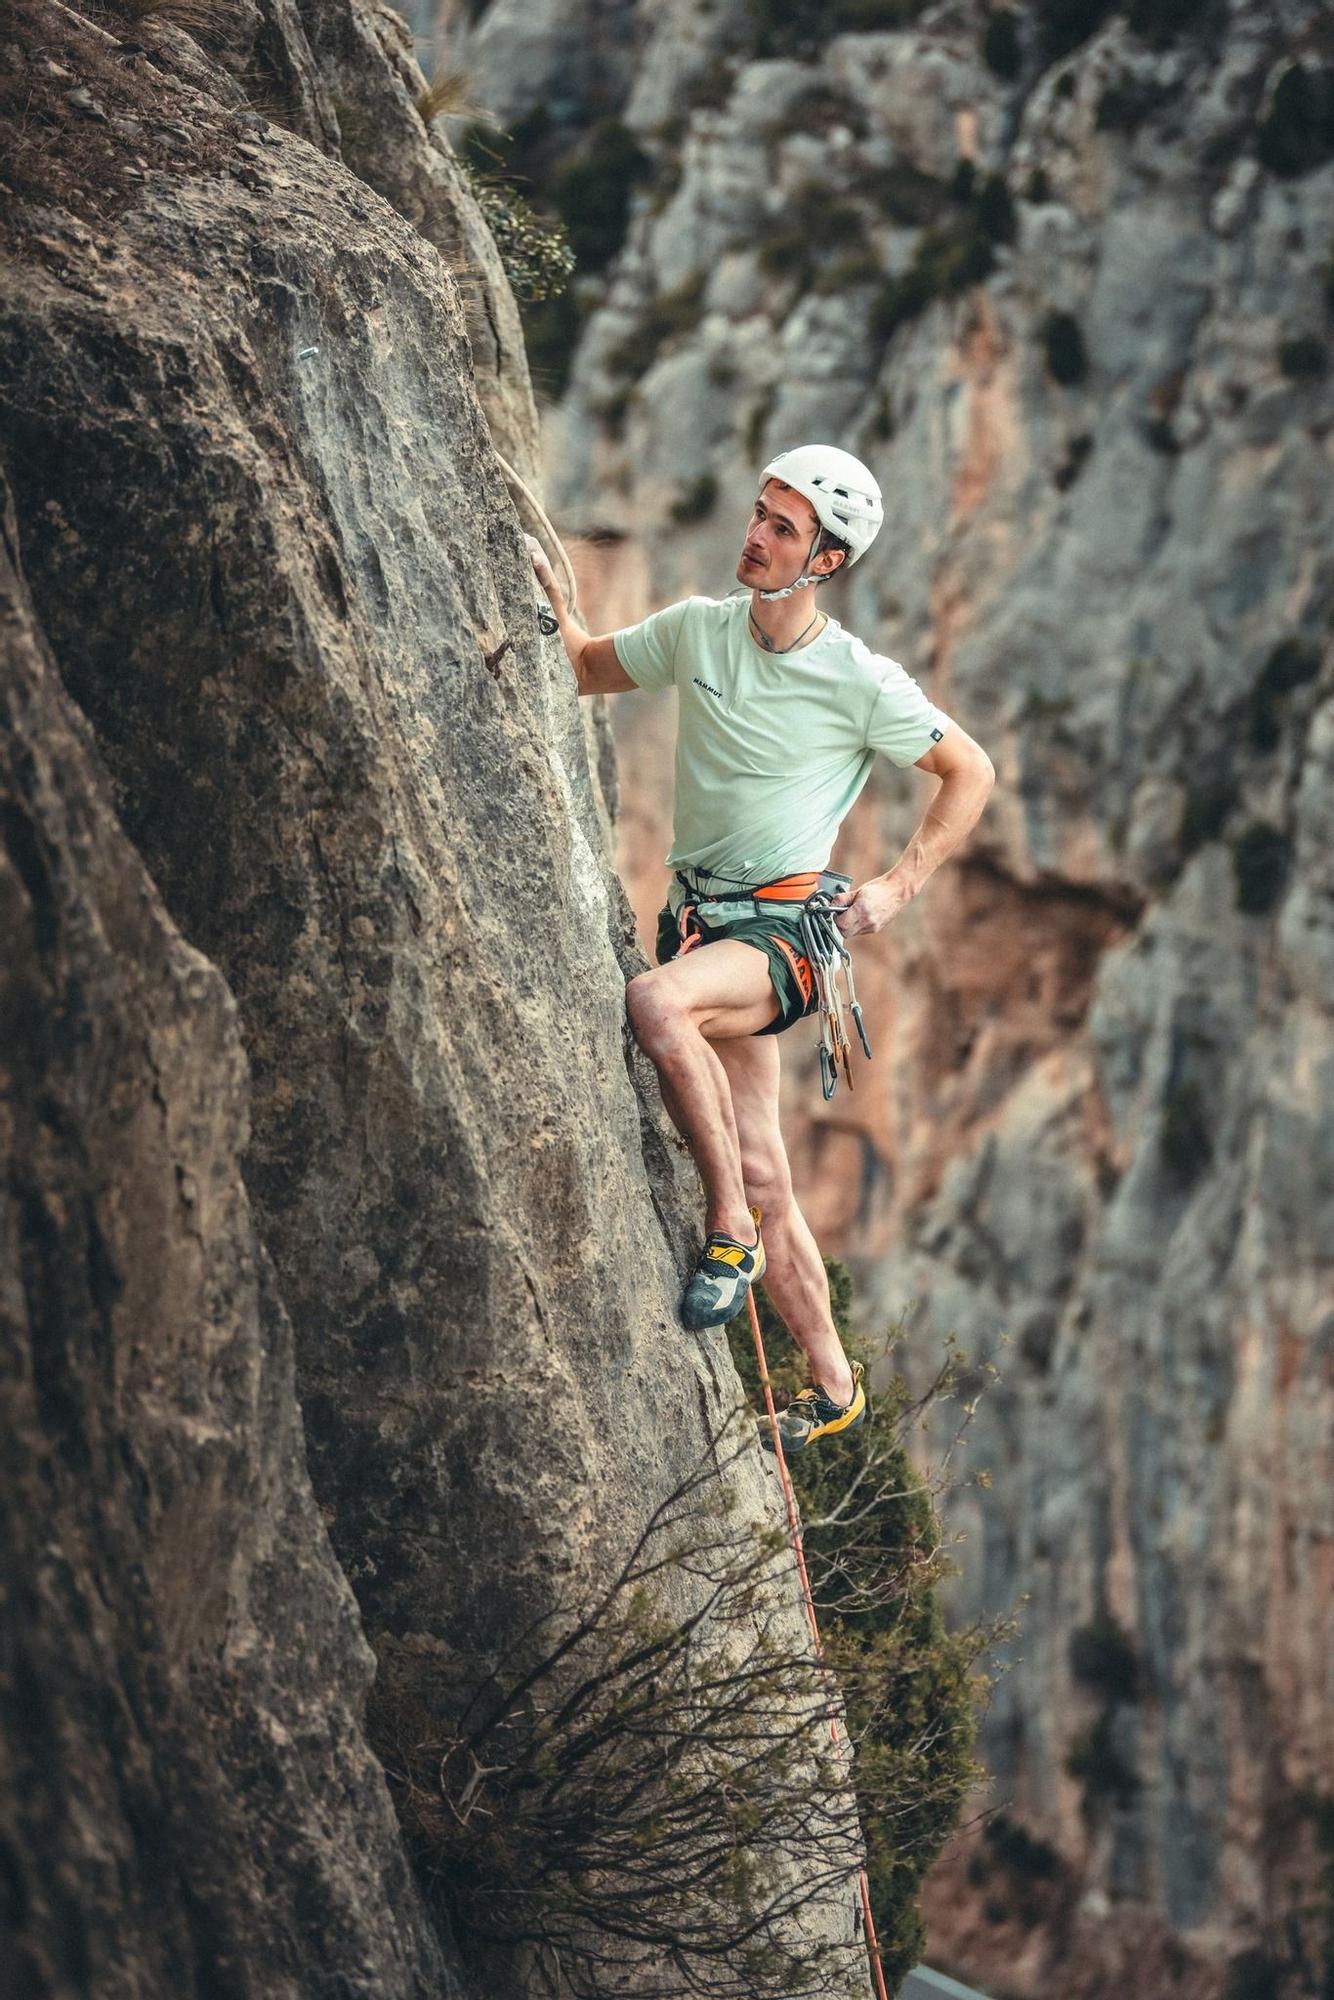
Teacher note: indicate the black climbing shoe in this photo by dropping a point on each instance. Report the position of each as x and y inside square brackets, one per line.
[811, 1415]
[717, 1288]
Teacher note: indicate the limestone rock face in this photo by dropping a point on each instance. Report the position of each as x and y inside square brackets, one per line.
[187, 1803]
[272, 551]
[1096, 1137]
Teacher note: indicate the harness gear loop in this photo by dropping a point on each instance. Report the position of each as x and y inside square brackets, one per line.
[808, 1604]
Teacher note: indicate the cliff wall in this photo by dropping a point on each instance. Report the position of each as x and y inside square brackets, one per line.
[255, 347]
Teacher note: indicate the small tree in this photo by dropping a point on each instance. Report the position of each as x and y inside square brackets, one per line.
[876, 1556]
[638, 1792]
[644, 1791]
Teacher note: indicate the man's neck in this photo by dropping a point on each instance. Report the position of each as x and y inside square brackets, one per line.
[785, 621]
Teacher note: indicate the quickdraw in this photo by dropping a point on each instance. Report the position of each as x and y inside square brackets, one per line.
[829, 956]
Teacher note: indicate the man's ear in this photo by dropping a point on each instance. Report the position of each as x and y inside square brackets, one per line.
[839, 559]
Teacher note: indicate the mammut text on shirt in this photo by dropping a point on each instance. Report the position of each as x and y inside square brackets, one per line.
[771, 748]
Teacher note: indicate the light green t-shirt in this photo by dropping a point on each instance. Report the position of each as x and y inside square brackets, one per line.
[771, 748]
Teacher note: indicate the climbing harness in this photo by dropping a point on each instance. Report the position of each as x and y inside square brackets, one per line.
[812, 895]
[790, 892]
[808, 1603]
[829, 956]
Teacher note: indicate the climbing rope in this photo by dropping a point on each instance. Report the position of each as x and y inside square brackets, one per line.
[794, 1530]
[554, 543]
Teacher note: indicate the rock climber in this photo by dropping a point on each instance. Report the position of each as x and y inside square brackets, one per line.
[780, 714]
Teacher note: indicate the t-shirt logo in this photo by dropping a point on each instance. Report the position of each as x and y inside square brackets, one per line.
[705, 685]
[936, 735]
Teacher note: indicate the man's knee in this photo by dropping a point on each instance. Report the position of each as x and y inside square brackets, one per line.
[655, 1015]
[767, 1177]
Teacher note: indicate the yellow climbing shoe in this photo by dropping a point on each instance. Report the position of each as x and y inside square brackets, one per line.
[811, 1415]
[726, 1268]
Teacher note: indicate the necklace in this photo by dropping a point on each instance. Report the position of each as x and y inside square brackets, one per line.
[768, 643]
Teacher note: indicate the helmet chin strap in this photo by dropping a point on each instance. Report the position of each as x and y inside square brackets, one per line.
[770, 595]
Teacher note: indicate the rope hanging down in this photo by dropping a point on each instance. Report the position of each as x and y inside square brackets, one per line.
[794, 1530]
[554, 541]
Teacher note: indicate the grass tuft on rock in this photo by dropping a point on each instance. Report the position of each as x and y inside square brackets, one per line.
[448, 95]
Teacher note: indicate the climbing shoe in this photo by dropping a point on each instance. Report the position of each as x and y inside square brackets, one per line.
[717, 1288]
[811, 1415]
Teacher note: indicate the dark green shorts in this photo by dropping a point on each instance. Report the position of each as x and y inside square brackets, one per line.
[776, 934]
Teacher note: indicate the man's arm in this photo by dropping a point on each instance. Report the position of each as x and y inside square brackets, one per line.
[966, 776]
[596, 667]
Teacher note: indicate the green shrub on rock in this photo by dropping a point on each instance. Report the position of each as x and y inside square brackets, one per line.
[1260, 863]
[695, 502]
[1297, 132]
[1102, 1657]
[1254, 1974]
[1063, 345]
[667, 317]
[995, 209]
[591, 192]
[1019, 1850]
[1292, 663]
[1095, 1760]
[1002, 50]
[1159, 22]
[852, 268]
[536, 253]
[945, 260]
[1185, 1141]
[905, 193]
[911, 1687]
[800, 28]
[809, 230]
[1303, 357]
[617, 1789]
[1066, 24]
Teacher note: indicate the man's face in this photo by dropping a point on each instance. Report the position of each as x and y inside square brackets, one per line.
[778, 535]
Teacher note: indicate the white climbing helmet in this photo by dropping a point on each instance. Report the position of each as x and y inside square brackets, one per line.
[842, 491]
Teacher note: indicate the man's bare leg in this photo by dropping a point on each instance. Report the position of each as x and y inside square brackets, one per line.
[794, 1277]
[715, 992]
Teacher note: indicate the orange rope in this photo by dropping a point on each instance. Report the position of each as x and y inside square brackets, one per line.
[794, 1529]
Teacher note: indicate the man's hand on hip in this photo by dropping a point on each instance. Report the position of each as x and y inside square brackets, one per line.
[869, 908]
